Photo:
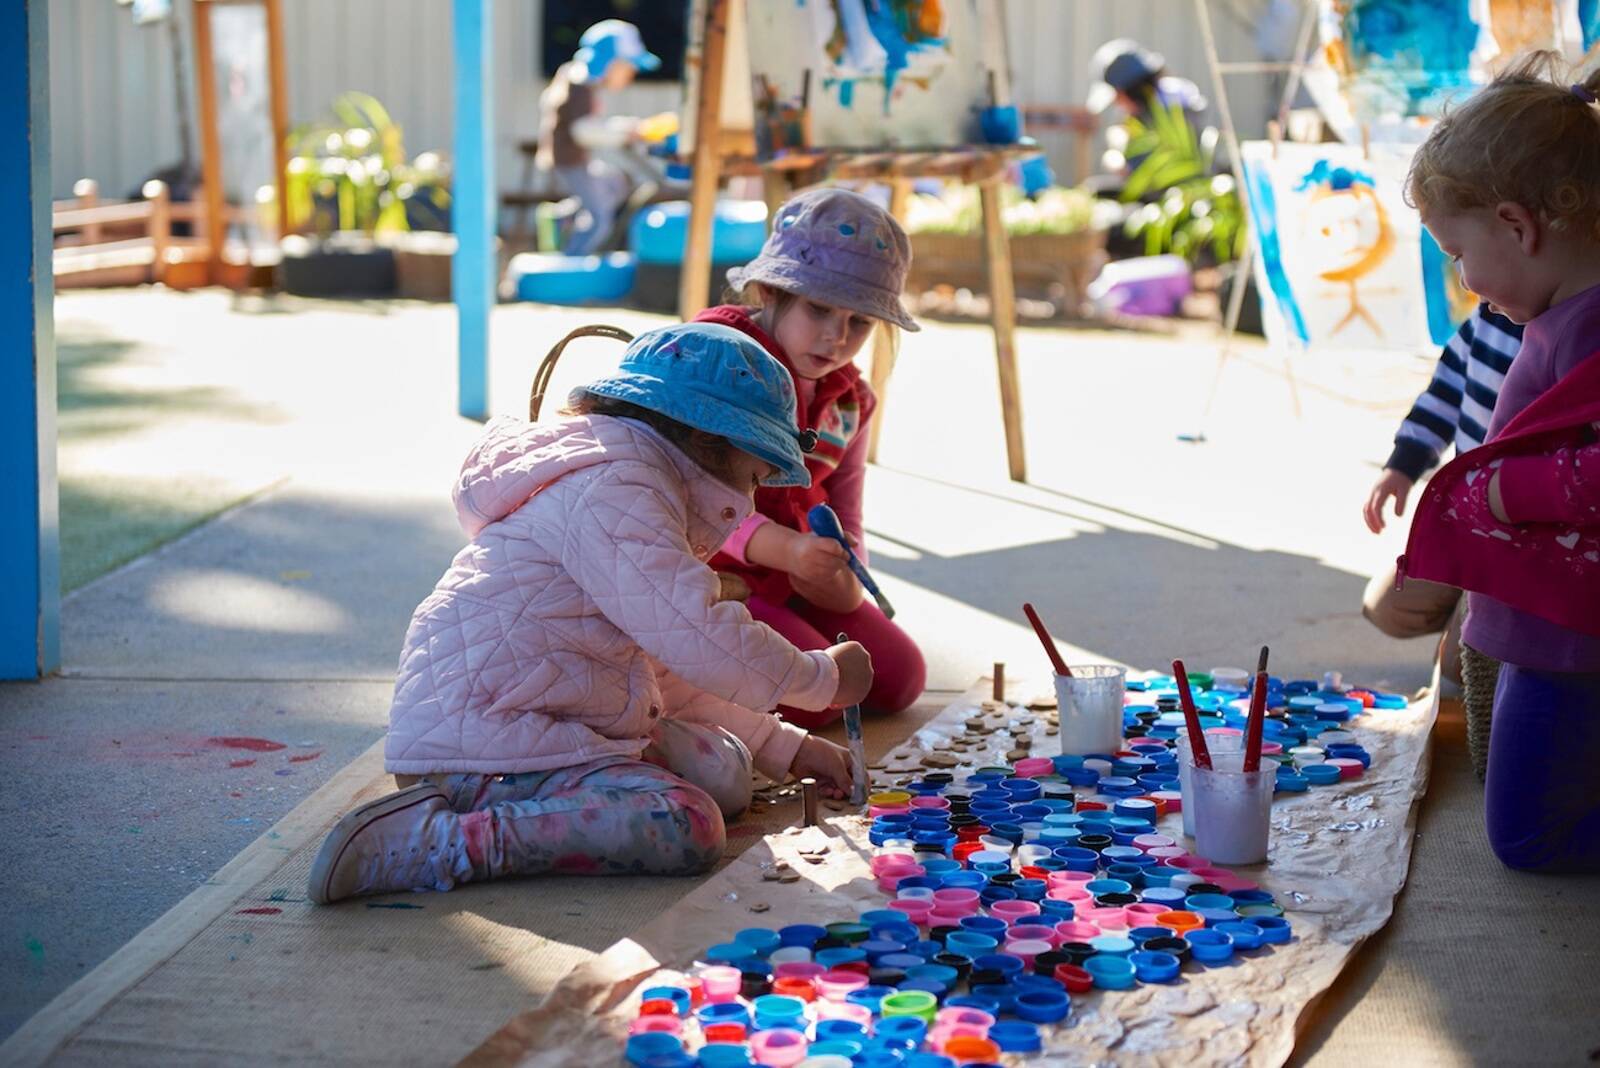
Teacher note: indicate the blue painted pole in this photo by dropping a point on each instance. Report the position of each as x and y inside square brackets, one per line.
[473, 207]
[30, 559]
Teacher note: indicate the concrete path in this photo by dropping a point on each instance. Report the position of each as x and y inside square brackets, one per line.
[279, 623]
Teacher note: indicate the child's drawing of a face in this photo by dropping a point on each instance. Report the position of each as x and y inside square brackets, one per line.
[1348, 231]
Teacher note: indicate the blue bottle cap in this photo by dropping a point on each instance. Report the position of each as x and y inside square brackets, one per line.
[929, 1060]
[1004, 963]
[869, 996]
[801, 934]
[725, 1055]
[1274, 929]
[1209, 901]
[1245, 934]
[1110, 973]
[1081, 776]
[901, 1028]
[972, 880]
[1058, 911]
[1216, 916]
[674, 1059]
[990, 894]
[1252, 896]
[989, 925]
[938, 973]
[973, 1001]
[1141, 935]
[1002, 994]
[835, 956]
[849, 1048]
[649, 1044]
[1033, 981]
[902, 961]
[830, 1029]
[1034, 810]
[1113, 944]
[1292, 783]
[728, 953]
[879, 1058]
[1152, 966]
[1042, 1006]
[675, 994]
[875, 917]
[1030, 889]
[1209, 946]
[716, 1012]
[1320, 774]
[1016, 1036]
[1163, 895]
[931, 986]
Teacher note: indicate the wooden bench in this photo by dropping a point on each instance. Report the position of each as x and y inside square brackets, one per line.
[114, 242]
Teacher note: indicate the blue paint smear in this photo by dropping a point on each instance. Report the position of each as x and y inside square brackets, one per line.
[1589, 22]
[1436, 288]
[1264, 219]
[1333, 177]
[847, 93]
[1425, 44]
[890, 22]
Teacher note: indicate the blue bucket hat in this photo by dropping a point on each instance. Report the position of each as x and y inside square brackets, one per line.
[718, 380]
[610, 40]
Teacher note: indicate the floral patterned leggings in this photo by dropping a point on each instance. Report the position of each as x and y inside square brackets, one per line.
[660, 815]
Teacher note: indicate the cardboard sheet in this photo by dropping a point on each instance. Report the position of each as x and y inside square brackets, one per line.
[1339, 855]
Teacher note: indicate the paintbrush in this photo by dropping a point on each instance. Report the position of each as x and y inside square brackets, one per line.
[1045, 640]
[824, 522]
[1191, 717]
[1258, 715]
[858, 747]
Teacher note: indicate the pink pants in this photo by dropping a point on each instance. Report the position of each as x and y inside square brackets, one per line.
[898, 669]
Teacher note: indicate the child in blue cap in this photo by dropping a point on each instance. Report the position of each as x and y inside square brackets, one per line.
[574, 696]
[610, 54]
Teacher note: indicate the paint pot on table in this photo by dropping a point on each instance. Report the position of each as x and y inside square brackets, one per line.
[1232, 813]
[1226, 745]
[1090, 703]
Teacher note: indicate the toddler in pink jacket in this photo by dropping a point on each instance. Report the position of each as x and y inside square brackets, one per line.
[573, 697]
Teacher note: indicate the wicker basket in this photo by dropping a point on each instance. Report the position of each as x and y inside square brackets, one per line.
[1038, 262]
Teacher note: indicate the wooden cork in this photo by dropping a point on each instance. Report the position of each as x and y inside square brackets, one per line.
[999, 681]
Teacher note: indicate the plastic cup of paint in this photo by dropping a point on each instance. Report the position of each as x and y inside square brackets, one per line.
[1226, 746]
[1110, 973]
[1232, 812]
[1090, 702]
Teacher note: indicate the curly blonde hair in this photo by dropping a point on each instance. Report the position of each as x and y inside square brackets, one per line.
[1531, 137]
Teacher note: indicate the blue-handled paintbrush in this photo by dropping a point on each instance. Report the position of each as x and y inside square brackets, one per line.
[858, 748]
[825, 523]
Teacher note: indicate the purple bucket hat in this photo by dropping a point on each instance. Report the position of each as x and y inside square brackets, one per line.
[835, 247]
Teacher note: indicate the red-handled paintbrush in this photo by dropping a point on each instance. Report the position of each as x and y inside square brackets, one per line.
[1191, 716]
[1045, 640]
[1258, 716]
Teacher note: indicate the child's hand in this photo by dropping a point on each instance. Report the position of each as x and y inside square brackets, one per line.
[815, 560]
[841, 595]
[1393, 484]
[826, 762]
[855, 673]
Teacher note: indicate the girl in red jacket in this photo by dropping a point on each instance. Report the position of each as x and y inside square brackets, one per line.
[1509, 186]
[831, 271]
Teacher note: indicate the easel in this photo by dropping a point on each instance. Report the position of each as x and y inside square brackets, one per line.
[216, 215]
[1295, 69]
[718, 152]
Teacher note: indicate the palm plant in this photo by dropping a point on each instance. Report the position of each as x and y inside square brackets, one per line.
[1197, 212]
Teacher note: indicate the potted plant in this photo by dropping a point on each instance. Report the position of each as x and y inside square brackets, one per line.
[354, 200]
[1057, 241]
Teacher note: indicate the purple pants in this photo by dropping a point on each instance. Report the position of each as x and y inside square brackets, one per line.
[1541, 807]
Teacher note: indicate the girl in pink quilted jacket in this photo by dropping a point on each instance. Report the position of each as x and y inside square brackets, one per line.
[1509, 186]
[574, 697]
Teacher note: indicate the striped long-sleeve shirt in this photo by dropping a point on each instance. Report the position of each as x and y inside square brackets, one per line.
[1456, 406]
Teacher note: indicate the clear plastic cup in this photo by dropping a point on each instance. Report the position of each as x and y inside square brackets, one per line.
[1226, 746]
[1232, 813]
[1090, 702]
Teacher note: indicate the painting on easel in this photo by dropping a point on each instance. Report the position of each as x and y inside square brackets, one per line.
[874, 74]
[1341, 259]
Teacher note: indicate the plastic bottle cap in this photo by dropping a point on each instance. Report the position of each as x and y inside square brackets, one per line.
[1042, 1006]
[1110, 973]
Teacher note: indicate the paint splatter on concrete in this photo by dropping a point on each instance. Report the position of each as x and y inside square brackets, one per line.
[284, 771]
[245, 763]
[392, 905]
[304, 757]
[263, 911]
[258, 745]
[36, 949]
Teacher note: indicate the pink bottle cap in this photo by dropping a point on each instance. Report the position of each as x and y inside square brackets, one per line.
[1034, 932]
[1148, 842]
[929, 802]
[1027, 948]
[1033, 767]
[1077, 930]
[887, 810]
[951, 917]
[885, 862]
[1141, 909]
[1188, 862]
[1107, 917]
[1348, 768]
[1211, 874]
[1269, 748]
[916, 909]
[1068, 878]
[1166, 854]
[1173, 798]
[1230, 882]
[954, 897]
[843, 1010]
[1073, 892]
[1011, 911]
[722, 983]
[836, 985]
[793, 969]
[667, 1024]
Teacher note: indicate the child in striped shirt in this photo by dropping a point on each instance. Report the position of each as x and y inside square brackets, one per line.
[1454, 409]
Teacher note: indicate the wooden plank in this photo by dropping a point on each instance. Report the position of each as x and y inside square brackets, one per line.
[279, 88]
[91, 219]
[884, 341]
[205, 79]
[1003, 310]
[694, 285]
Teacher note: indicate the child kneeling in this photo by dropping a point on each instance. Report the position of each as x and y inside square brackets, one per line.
[573, 697]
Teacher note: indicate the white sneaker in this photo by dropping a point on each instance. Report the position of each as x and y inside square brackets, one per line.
[408, 840]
